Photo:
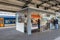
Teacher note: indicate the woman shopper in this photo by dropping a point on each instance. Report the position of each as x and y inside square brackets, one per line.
[52, 23]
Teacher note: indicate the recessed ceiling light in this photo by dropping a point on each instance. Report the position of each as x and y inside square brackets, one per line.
[46, 8]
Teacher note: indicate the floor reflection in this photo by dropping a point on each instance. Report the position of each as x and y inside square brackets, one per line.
[58, 38]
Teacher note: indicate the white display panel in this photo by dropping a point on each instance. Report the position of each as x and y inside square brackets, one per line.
[20, 27]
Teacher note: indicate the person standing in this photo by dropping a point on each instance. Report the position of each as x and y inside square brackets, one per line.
[52, 23]
[56, 23]
[38, 23]
[48, 24]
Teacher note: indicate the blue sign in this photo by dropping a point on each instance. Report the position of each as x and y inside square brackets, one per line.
[9, 19]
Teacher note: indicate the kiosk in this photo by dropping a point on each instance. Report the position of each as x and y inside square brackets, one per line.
[26, 19]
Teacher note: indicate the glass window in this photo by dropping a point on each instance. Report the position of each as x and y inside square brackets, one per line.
[7, 21]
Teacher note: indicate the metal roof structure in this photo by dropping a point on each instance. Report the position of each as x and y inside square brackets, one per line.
[16, 5]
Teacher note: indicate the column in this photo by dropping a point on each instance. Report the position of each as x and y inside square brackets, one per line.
[16, 19]
[29, 25]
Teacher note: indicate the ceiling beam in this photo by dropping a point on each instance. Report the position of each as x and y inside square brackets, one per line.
[15, 2]
[26, 1]
[4, 3]
[8, 10]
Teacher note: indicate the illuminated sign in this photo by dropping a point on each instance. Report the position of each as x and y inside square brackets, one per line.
[7, 13]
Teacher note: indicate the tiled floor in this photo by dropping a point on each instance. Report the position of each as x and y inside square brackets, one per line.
[12, 34]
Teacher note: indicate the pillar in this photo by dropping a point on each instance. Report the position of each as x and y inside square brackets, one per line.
[17, 19]
[29, 25]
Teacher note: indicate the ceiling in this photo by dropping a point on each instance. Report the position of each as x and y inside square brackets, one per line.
[16, 5]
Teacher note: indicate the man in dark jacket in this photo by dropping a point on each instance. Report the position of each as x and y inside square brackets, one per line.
[56, 23]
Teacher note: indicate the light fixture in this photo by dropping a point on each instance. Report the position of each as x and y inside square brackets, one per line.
[46, 8]
[37, 6]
